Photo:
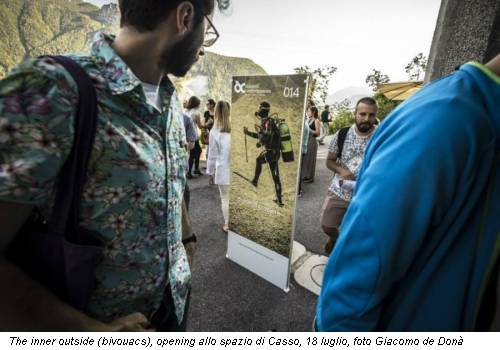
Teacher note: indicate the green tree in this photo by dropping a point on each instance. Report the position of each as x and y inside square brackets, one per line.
[416, 67]
[342, 115]
[385, 106]
[342, 106]
[341, 120]
[318, 87]
[376, 78]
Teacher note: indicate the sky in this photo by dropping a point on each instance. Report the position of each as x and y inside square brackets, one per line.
[353, 35]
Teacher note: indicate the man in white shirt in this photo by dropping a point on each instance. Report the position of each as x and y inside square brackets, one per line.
[345, 155]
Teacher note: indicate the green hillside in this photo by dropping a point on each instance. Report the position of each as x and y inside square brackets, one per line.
[217, 71]
[32, 28]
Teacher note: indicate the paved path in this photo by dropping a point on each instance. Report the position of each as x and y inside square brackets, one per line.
[225, 296]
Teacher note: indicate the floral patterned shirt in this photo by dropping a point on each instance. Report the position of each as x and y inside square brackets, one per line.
[136, 176]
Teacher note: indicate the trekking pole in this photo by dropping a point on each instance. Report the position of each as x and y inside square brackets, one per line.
[246, 152]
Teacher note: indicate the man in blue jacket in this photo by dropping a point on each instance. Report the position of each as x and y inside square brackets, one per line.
[419, 245]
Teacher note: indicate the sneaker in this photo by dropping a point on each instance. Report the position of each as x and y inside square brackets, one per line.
[190, 176]
[254, 183]
[198, 172]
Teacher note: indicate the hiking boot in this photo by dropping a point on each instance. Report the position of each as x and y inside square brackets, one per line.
[280, 203]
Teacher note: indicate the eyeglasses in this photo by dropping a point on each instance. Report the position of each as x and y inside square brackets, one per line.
[211, 34]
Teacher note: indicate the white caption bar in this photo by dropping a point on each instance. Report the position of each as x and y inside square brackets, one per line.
[249, 341]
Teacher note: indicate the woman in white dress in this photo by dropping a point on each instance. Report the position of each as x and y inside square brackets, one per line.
[219, 156]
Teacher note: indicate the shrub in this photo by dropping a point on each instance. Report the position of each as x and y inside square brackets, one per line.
[342, 119]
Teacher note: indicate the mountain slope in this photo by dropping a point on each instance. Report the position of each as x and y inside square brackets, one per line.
[33, 28]
[211, 77]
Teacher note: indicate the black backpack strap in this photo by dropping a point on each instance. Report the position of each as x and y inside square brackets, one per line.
[72, 176]
[341, 140]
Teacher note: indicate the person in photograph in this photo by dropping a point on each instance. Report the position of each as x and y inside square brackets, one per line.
[268, 136]
[132, 196]
[218, 163]
[418, 248]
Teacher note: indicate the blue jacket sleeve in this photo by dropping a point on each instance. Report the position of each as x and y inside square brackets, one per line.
[411, 170]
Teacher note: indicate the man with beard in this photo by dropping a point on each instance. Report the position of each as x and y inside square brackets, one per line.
[345, 155]
[133, 192]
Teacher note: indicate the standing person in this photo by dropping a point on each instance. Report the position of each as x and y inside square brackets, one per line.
[188, 237]
[209, 115]
[135, 180]
[325, 126]
[219, 157]
[191, 136]
[192, 110]
[419, 243]
[304, 142]
[309, 161]
[345, 155]
[208, 123]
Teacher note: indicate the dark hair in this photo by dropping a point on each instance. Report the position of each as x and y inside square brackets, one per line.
[315, 111]
[211, 102]
[146, 15]
[367, 101]
[265, 105]
[327, 106]
[194, 102]
[264, 109]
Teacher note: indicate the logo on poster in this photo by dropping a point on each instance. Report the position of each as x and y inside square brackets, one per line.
[239, 88]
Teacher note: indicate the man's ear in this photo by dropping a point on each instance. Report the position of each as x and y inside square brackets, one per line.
[184, 17]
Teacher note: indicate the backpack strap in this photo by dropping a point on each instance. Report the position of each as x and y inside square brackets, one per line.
[72, 177]
[341, 140]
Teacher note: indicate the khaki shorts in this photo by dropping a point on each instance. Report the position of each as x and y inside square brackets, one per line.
[333, 211]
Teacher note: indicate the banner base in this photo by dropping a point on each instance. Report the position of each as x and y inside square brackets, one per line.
[262, 261]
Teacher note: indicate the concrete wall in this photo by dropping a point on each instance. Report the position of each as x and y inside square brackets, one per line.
[466, 30]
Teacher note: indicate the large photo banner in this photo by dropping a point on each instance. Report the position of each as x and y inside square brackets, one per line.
[267, 117]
